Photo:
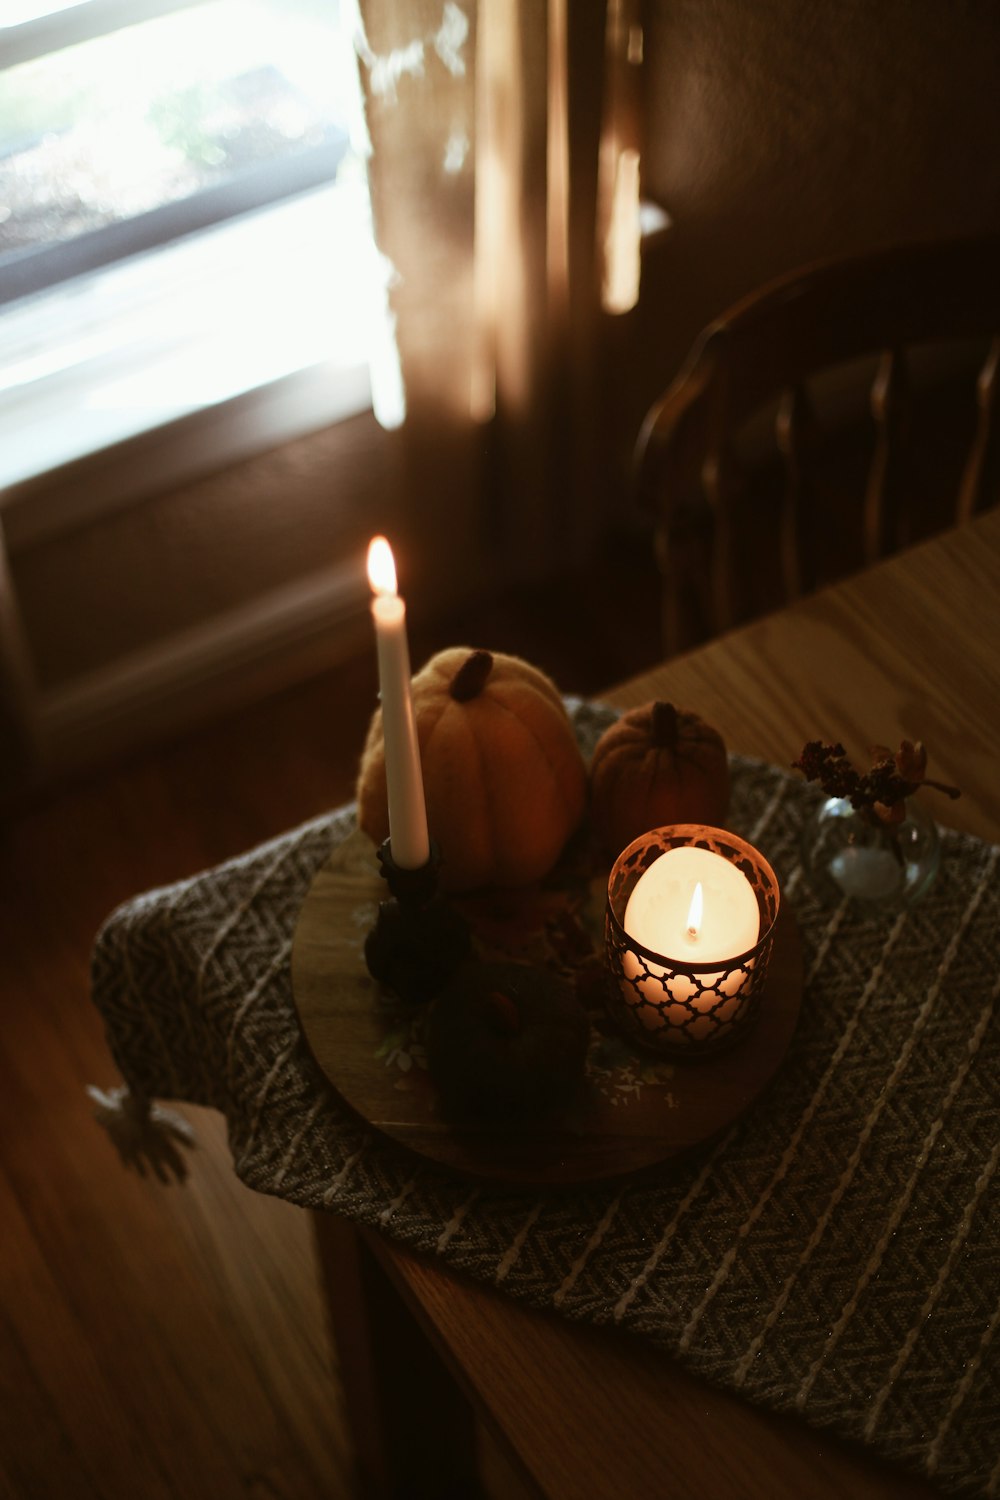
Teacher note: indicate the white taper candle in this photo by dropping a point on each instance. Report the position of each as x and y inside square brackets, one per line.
[408, 837]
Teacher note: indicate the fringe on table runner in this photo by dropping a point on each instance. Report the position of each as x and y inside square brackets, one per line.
[145, 1134]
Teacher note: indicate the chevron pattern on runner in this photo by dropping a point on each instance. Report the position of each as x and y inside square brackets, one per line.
[836, 1253]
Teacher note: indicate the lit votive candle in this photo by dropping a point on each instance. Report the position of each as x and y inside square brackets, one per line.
[408, 837]
[692, 907]
[690, 925]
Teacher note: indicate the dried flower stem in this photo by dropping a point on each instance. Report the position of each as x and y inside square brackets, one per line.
[879, 794]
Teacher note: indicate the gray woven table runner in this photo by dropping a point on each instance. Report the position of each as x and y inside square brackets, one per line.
[836, 1253]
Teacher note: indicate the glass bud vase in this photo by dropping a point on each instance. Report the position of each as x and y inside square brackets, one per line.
[878, 865]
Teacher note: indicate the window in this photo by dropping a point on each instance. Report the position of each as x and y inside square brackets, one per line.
[183, 217]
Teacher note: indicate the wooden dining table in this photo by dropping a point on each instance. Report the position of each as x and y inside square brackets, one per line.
[908, 649]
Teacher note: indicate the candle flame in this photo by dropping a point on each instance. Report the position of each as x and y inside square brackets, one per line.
[695, 911]
[381, 566]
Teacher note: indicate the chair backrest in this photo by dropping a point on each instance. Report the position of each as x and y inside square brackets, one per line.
[768, 351]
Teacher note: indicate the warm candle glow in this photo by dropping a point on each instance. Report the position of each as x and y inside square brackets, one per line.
[408, 836]
[693, 907]
[690, 920]
[381, 566]
[695, 911]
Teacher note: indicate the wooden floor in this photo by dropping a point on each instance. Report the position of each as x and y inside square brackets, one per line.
[162, 1341]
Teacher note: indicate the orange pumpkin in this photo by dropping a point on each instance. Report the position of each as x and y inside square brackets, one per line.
[504, 781]
[656, 765]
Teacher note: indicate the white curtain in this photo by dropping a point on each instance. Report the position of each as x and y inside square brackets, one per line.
[485, 124]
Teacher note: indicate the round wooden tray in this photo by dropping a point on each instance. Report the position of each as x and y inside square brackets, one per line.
[636, 1109]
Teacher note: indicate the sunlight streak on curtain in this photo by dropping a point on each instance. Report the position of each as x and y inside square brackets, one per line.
[558, 156]
[619, 212]
[496, 251]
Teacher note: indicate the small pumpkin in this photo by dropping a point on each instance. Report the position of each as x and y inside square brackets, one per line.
[504, 780]
[656, 765]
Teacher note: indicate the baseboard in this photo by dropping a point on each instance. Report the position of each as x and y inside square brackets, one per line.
[284, 637]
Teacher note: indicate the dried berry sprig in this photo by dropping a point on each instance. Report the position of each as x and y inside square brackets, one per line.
[879, 794]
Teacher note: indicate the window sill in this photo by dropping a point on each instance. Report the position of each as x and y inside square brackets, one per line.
[207, 351]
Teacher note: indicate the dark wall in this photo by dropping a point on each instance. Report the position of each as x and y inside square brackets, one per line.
[781, 131]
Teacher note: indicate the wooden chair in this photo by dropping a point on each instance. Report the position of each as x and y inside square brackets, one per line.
[767, 356]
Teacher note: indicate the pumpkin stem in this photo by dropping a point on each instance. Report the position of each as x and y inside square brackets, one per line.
[470, 679]
[664, 726]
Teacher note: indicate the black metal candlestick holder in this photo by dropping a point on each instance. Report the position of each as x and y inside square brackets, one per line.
[419, 939]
